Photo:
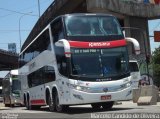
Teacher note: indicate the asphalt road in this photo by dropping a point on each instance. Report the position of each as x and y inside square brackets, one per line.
[84, 111]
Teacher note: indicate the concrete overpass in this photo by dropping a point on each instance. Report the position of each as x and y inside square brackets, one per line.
[8, 60]
[129, 13]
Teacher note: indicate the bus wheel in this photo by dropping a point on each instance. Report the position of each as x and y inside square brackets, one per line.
[51, 104]
[7, 105]
[28, 105]
[11, 105]
[107, 105]
[96, 105]
[58, 107]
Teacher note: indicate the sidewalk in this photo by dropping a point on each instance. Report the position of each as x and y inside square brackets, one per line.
[2, 107]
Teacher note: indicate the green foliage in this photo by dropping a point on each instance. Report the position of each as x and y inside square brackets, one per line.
[156, 66]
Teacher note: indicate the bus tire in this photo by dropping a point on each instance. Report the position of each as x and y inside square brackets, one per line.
[51, 104]
[28, 105]
[7, 105]
[58, 107]
[96, 105]
[11, 105]
[107, 105]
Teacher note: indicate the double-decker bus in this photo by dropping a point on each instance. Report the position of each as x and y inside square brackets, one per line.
[77, 59]
[11, 89]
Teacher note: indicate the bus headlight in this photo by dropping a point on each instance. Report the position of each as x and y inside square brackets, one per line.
[126, 85]
[79, 88]
[14, 95]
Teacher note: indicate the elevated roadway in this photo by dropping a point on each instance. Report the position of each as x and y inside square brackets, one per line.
[8, 60]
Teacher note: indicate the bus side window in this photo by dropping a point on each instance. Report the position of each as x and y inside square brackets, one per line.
[57, 31]
[49, 74]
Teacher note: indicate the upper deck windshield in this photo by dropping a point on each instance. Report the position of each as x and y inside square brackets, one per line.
[92, 26]
[99, 63]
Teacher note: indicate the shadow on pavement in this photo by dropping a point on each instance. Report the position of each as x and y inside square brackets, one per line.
[80, 110]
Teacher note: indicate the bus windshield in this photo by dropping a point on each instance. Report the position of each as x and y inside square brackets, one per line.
[92, 26]
[16, 86]
[99, 62]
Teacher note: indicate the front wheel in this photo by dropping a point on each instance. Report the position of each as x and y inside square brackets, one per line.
[107, 105]
[96, 105]
[58, 107]
[51, 104]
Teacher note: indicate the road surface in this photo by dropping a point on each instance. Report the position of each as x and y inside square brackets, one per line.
[83, 111]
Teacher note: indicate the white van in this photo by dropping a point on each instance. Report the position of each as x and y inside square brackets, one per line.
[135, 73]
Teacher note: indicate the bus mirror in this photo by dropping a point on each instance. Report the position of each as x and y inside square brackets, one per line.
[135, 43]
[124, 33]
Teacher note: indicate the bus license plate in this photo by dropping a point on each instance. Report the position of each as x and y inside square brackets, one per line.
[105, 97]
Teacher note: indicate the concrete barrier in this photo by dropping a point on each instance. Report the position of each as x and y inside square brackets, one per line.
[147, 95]
[136, 94]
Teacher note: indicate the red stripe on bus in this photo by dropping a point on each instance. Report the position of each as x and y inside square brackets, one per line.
[38, 101]
[106, 44]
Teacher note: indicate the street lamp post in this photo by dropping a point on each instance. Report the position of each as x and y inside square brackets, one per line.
[39, 8]
[20, 26]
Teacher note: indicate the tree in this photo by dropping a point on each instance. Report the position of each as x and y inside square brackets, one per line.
[156, 66]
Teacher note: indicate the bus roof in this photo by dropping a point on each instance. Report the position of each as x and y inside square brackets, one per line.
[87, 14]
[82, 14]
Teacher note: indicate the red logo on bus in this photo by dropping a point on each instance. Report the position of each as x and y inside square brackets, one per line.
[107, 44]
[99, 44]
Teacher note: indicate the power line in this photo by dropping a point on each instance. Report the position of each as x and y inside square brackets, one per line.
[14, 30]
[17, 12]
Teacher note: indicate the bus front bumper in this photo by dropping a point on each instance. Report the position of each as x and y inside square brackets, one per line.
[80, 97]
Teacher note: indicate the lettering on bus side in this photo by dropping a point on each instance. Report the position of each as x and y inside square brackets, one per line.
[31, 66]
[99, 44]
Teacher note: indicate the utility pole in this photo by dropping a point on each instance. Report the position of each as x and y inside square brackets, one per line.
[39, 8]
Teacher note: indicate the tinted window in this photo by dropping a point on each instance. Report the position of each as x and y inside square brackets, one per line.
[92, 26]
[39, 45]
[41, 76]
[99, 62]
[133, 66]
[16, 85]
[0, 92]
[61, 60]
[57, 30]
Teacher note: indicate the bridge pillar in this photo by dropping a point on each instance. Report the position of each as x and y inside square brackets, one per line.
[141, 35]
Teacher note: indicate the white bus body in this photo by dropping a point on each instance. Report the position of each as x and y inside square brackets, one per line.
[59, 68]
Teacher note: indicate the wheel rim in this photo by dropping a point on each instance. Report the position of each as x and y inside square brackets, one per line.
[58, 106]
[27, 104]
[51, 105]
